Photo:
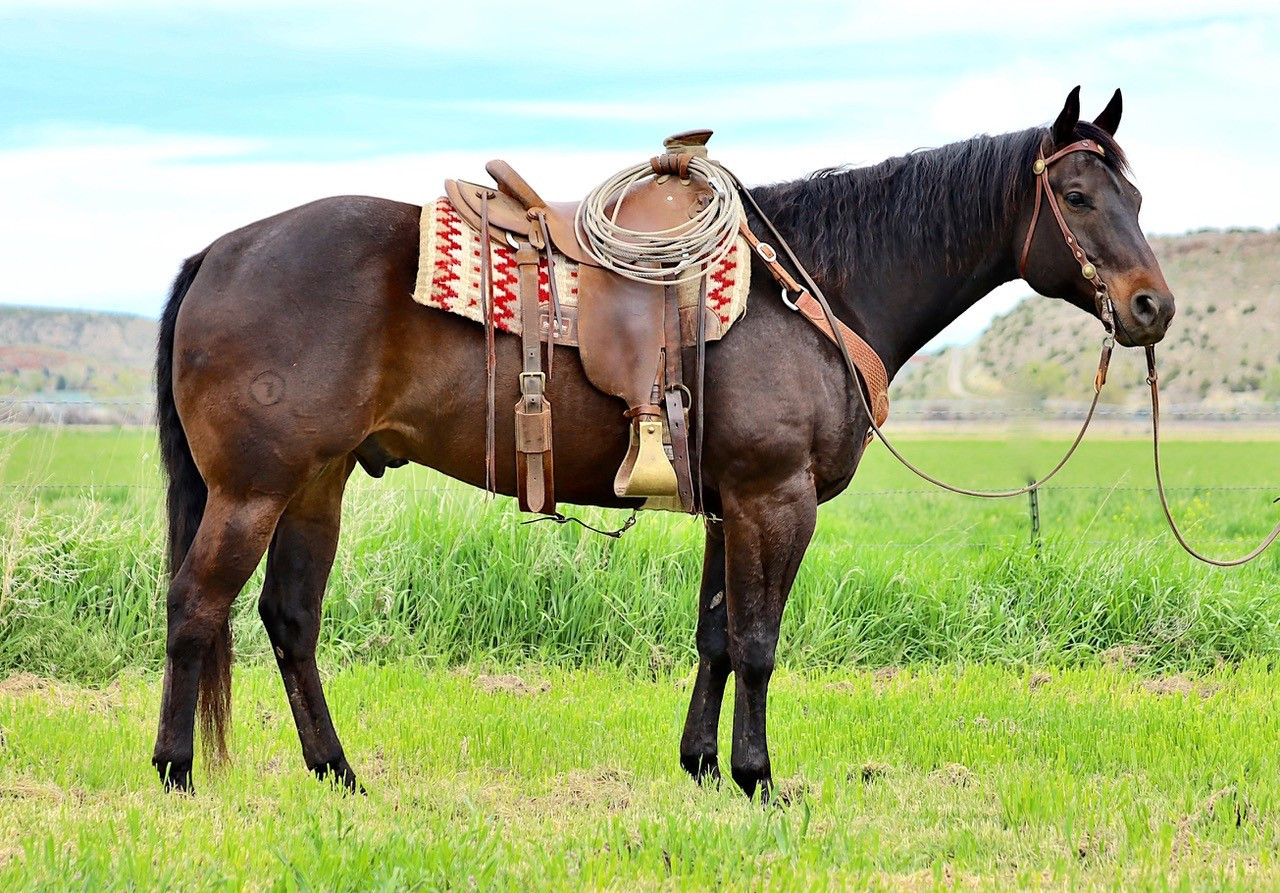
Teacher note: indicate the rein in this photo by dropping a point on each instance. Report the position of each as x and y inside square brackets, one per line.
[1153, 379]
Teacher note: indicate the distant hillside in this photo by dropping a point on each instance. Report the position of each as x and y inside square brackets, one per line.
[1222, 350]
[63, 353]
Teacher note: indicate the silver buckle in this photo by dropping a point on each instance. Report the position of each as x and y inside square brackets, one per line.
[766, 252]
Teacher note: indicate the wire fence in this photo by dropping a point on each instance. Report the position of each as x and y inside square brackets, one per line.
[40, 411]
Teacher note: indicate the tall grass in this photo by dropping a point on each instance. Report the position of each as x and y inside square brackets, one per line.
[432, 569]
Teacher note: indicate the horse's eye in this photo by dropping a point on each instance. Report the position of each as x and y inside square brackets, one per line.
[1077, 200]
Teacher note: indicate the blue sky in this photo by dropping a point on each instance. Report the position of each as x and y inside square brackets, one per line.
[133, 133]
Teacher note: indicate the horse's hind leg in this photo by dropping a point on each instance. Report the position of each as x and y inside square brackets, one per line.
[233, 534]
[298, 566]
[699, 746]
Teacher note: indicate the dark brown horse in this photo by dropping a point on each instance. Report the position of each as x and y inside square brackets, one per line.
[290, 352]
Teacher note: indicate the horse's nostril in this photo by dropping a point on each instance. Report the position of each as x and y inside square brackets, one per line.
[1145, 308]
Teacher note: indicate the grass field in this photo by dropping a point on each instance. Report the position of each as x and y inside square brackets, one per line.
[955, 705]
[981, 776]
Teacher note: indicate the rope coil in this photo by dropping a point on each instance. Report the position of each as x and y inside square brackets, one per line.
[678, 254]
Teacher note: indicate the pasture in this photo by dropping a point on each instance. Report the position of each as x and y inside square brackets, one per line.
[955, 706]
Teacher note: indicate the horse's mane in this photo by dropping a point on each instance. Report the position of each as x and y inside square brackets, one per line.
[946, 202]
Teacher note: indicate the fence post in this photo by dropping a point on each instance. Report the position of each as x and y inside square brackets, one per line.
[1033, 497]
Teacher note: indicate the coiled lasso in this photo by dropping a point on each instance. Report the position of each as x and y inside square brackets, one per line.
[678, 254]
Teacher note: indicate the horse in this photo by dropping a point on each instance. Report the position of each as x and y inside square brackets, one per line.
[290, 351]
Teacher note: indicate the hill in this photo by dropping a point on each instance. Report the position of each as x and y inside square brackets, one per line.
[1223, 348]
[70, 353]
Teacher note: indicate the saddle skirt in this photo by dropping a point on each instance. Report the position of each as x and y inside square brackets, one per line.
[449, 279]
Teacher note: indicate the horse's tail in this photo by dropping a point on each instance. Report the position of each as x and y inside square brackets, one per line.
[186, 501]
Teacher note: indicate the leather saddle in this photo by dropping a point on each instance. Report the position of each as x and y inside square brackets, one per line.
[628, 332]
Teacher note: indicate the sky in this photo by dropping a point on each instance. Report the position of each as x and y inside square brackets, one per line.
[135, 132]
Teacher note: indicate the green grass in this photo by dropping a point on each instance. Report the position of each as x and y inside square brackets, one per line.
[428, 568]
[979, 776]
[1097, 711]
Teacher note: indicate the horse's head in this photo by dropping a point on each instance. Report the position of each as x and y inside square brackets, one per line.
[1079, 240]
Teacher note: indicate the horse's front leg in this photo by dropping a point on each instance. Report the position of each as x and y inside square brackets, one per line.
[766, 534]
[699, 746]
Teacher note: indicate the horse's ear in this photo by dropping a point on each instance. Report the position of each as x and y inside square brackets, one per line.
[1064, 129]
[1109, 120]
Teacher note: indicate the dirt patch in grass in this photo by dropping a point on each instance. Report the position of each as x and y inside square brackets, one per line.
[871, 771]
[955, 775]
[1038, 680]
[23, 684]
[883, 676]
[791, 791]
[1226, 802]
[60, 694]
[26, 788]
[1169, 685]
[880, 680]
[512, 685]
[605, 787]
[924, 879]
[1124, 657]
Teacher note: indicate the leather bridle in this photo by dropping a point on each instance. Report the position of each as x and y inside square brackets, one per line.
[1101, 297]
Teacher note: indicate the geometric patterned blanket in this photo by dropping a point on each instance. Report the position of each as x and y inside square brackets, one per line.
[449, 277]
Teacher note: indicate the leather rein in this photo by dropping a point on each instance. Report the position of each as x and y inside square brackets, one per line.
[810, 300]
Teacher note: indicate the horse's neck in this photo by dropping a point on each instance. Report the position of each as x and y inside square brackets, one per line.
[908, 311]
[901, 309]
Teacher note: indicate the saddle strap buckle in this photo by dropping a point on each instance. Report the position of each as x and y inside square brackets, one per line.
[533, 384]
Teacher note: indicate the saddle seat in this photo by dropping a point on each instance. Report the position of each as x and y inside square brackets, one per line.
[510, 216]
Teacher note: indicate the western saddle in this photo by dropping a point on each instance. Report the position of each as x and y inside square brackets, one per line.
[628, 332]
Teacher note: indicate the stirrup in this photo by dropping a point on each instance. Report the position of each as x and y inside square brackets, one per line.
[646, 471]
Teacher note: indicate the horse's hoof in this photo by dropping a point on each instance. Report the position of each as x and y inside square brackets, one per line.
[339, 773]
[175, 774]
[751, 780]
[702, 768]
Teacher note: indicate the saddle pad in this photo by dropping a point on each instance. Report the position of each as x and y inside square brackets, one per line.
[449, 279]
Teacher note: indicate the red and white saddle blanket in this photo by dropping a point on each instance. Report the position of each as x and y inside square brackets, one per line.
[449, 279]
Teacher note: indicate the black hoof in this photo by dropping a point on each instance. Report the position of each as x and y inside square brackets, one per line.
[752, 779]
[702, 768]
[176, 775]
[337, 772]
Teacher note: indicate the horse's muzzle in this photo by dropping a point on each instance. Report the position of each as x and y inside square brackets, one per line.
[1145, 318]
